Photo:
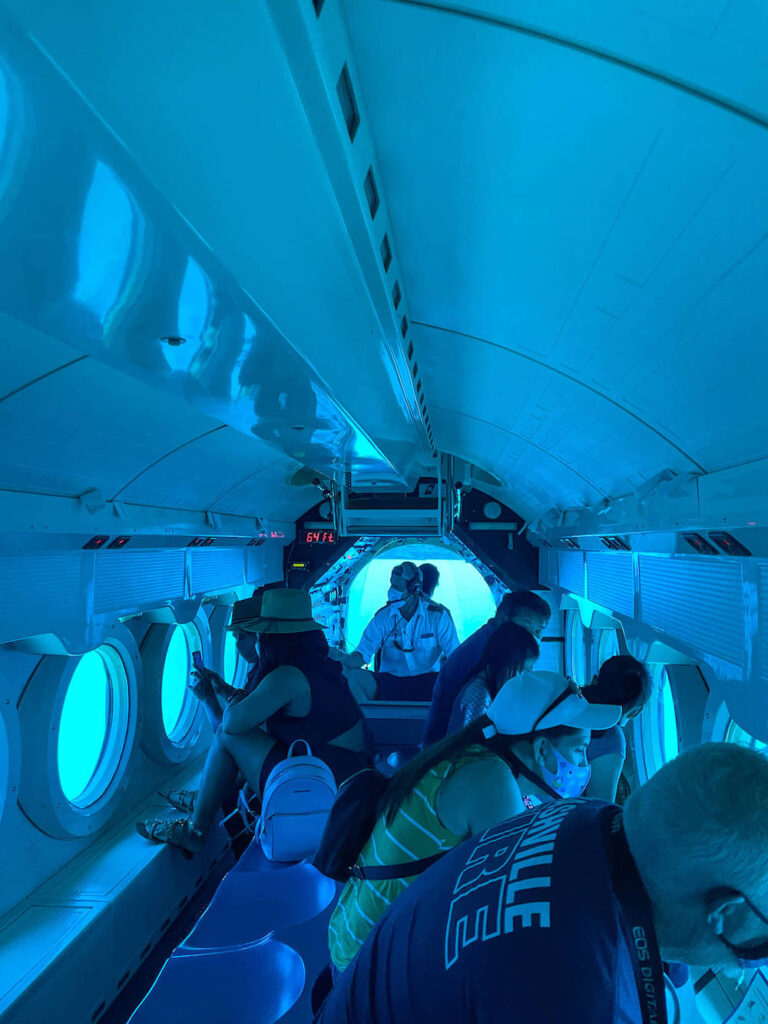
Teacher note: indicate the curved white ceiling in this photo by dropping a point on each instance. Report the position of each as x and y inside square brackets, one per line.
[575, 196]
[583, 243]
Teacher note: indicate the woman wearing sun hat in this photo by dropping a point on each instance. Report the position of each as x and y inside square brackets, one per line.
[529, 746]
[301, 694]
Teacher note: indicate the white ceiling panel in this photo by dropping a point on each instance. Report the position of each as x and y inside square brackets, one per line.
[605, 225]
[206, 473]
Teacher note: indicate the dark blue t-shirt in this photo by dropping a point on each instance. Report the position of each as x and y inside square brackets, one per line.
[517, 924]
[456, 671]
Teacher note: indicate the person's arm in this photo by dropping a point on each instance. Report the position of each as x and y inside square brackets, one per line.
[604, 780]
[478, 795]
[276, 690]
[473, 701]
[447, 637]
[353, 660]
[371, 640]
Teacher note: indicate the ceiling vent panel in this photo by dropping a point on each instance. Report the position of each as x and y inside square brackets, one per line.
[386, 253]
[611, 581]
[548, 566]
[571, 571]
[137, 579]
[762, 640]
[371, 193]
[699, 601]
[349, 110]
[216, 571]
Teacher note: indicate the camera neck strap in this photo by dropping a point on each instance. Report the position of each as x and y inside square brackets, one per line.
[637, 919]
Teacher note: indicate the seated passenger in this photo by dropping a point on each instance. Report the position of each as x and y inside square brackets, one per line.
[531, 746]
[407, 638]
[533, 920]
[522, 607]
[210, 689]
[621, 680]
[301, 694]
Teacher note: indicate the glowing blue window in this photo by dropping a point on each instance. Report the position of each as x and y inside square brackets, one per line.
[577, 648]
[235, 667]
[670, 745]
[735, 734]
[607, 646]
[179, 705]
[461, 589]
[658, 724]
[93, 726]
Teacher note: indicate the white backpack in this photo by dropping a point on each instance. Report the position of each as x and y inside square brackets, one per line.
[297, 800]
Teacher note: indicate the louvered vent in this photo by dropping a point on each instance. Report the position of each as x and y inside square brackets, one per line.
[131, 579]
[216, 571]
[571, 571]
[701, 602]
[38, 592]
[548, 566]
[762, 640]
[611, 581]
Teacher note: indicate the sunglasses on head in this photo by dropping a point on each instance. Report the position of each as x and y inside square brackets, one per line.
[571, 690]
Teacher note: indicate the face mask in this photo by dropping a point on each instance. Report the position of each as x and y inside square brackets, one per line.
[749, 957]
[393, 594]
[569, 779]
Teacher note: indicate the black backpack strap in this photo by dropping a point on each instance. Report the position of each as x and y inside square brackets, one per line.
[385, 872]
[518, 766]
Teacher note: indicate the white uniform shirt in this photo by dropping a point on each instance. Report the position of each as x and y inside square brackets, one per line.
[429, 634]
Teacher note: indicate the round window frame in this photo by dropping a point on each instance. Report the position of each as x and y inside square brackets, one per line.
[10, 750]
[41, 796]
[156, 742]
[218, 621]
[649, 724]
[573, 621]
[112, 749]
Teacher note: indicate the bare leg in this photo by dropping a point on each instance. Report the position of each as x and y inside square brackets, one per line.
[248, 751]
[218, 781]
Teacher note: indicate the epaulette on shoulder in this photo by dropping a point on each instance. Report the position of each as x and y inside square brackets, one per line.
[433, 606]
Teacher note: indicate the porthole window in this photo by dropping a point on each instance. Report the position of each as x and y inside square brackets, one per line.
[577, 650]
[735, 734]
[179, 705]
[659, 725]
[78, 721]
[235, 666]
[608, 645]
[93, 726]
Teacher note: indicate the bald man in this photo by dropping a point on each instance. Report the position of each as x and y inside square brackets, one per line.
[565, 913]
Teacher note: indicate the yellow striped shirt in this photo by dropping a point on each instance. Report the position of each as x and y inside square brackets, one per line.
[415, 832]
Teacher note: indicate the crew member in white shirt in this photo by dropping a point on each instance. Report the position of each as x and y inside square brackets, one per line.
[410, 635]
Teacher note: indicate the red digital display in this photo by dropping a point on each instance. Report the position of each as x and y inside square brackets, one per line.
[318, 537]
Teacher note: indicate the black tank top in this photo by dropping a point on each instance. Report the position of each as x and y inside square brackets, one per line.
[333, 712]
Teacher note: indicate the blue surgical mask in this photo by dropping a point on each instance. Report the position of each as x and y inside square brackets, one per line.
[569, 779]
[393, 594]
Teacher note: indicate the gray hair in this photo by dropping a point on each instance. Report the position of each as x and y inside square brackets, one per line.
[706, 813]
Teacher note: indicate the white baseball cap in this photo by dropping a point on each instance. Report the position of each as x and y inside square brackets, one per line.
[534, 701]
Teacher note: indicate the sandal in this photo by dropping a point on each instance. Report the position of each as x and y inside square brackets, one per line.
[181, 799]
[173, 831]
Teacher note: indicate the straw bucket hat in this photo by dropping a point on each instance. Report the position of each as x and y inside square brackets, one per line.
[283, 611]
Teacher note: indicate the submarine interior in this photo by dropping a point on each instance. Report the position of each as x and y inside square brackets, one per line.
[294, 292]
